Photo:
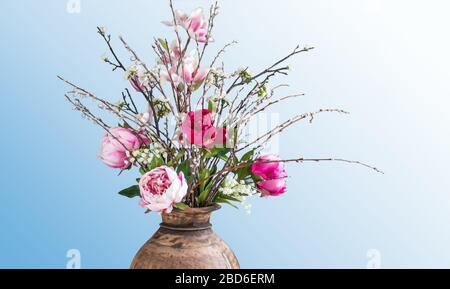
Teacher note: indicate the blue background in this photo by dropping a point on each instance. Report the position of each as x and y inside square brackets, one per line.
[384, 61]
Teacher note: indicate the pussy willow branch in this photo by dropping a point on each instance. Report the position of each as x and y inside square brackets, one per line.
[226, 170]
[213, 11]
[222, 51]
[257, 110]
[278, 129]
[107, 39]
[131, 107]
[270, 69]
[86, 112]
[175, 23]
[114, 109]
[154, 78]
[160, 53]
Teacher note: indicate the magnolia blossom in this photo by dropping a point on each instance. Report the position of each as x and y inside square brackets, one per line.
[133, 75]
[172, 56]
[115, 145]
[188, 72]
[161, 188]
[192, 72]
[198, 129]
[272, 175]
[195, 24]
[144, 118]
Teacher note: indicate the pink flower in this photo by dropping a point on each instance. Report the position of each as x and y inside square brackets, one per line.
[272, 174]
[192, 72]
[220, 139]
[188, 72]
[195, 24]
[161, 188]
[116, 143]
[172, 56]
[198, 128]
[137, 85]
[180, 17]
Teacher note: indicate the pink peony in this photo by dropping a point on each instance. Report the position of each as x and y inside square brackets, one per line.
[116, 143]
[161, 188]
[198, 129]
[272, 173]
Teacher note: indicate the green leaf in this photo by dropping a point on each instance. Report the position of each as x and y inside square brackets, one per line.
[142, 170]
[221, 198]
[247, 156]
[211, 106]
[227, 202]
[164, 44]
[203, 195]
[179, 155]
[243, 173]
[198, 85]
[230, 198]
[184, 168]
[217, 152]
[156, 162]
[181, 206]
[130, 192]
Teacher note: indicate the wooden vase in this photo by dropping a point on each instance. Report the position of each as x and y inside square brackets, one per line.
[185, 240]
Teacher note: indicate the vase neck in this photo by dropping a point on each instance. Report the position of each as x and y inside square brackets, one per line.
[190, 219]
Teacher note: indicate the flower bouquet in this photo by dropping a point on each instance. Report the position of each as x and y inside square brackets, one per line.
[189, 140]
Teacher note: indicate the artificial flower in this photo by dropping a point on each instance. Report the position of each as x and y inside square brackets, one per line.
[162, 188]
[271, 173]
[115, 145]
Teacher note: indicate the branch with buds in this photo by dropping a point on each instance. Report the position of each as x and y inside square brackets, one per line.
[187, 141]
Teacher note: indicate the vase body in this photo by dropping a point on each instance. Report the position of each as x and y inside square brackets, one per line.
[185, 240]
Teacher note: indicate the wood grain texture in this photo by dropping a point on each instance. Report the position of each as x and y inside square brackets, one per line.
[185, 240]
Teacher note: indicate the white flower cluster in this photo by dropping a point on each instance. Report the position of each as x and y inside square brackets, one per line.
[144, 155]
[219, 97]
[145, 77]
[215, 76]
[239, 190]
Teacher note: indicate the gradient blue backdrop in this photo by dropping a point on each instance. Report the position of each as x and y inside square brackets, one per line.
[385, 61]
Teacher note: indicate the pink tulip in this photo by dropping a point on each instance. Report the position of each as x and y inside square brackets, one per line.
[272, 174]
[161, 188]
[116, 143]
